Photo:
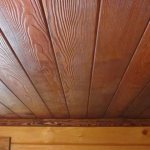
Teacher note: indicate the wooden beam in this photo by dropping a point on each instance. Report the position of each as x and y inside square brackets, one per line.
[79, 147]
[75, 122]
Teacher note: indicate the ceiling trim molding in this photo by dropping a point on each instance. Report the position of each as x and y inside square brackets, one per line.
[75, 122]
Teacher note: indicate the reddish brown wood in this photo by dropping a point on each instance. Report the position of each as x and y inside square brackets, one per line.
[72, 27]
[13, 103]
[12, 74]
[24, 26]
[121, 25]
[139, 106]
[74, 59]
[135, 78]
[145, 113]
[6, 112]
[75, 122]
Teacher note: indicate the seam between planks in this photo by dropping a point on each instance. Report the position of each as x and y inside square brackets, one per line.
[99, 9]
[127, 67]
[53, 51]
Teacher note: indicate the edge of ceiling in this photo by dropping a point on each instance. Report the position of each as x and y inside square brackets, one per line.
[75, 122]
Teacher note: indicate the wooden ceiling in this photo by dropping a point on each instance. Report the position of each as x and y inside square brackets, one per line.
[74, 59]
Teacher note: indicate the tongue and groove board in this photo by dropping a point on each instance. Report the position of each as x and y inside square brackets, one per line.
[121, 26]
[24, 26]
[12, 74]
[5, 143]
[72, 26]
[80, 59]
[13, 103]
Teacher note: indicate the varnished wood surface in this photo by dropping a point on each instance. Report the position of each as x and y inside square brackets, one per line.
[121, 25]
[13, 103]
[72, 26]
[77, 135]
[6, 112]
[12, 74]
[23, 24]
[75, 122]
[4, 143]
[79, 147]
[134, 80]
[78, 59]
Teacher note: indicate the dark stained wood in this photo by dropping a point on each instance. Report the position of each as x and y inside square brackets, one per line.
[75, 122]
[4, 143]
[12, 74]
[121, 25]
[145, 113]
[72, 25]
[13, 103]
[134, 80]
[63, 62]
[23, 24]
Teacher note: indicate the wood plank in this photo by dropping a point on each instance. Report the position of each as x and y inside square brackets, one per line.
[13, 103]
[121, 25]
[72, 26]
[134, 80]
[15, 78]
[6, 112]
[139, 107]
[4, 143]
[75, 147]
[24, 26]
[76, 122]
[145, 113]
[77, 135]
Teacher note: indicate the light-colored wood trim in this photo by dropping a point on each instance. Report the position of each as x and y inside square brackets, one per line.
[77, 135]
[77, 147]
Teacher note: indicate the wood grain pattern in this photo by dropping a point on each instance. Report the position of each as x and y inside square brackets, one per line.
[4, 143]
[77, 135]
[23, 24]
[121, 25]
[72, 25]
[13, 103]
[76, 122]
[6, 112]
[139, 106]
[134, 80]
[12, 74]
[79, 147]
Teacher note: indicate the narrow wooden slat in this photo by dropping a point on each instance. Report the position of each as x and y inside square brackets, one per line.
[145, 113]
[23, 24]
[4, 143]
[13, 75]
[135, 78]
[77, 135]
[75, 147]
[138, 107]
[121, 25]
[6, 113]
[13, 103]
[72, 27]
